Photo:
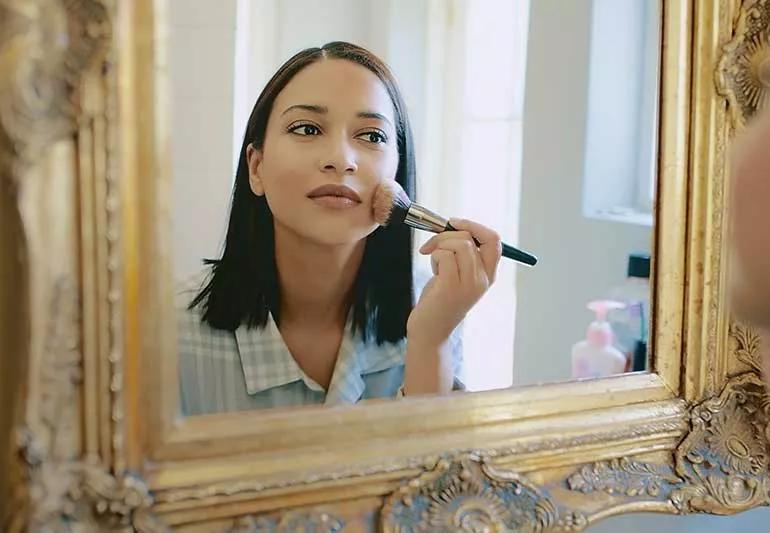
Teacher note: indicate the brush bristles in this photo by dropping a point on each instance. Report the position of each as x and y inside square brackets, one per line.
[390, 203]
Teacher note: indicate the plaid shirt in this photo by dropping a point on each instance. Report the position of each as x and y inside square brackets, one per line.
[252, 368]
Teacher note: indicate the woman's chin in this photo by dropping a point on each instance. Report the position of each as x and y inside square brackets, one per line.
[328, 230]
[340, 234]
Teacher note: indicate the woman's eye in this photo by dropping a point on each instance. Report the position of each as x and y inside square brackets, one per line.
[305, 129]
[374, 137]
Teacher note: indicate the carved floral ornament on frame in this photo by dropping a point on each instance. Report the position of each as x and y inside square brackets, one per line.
[721, 465]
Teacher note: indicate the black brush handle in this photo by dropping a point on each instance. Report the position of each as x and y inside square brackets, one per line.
[521, 256]
[509, 251]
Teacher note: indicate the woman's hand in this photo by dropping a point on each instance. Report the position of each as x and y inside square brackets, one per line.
[462, 273]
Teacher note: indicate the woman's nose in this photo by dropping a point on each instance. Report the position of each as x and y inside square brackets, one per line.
[340, 158]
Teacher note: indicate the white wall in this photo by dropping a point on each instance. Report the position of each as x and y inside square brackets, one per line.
[201, 45]
[580, 259]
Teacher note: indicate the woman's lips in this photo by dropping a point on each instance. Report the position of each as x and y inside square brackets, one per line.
[335, 196]
[335, 202]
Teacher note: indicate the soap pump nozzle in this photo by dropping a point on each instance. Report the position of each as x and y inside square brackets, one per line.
[599, 331]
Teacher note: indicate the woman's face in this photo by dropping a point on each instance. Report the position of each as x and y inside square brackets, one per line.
[330, 140]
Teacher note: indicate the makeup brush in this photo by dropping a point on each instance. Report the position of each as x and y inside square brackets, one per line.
[392, 206]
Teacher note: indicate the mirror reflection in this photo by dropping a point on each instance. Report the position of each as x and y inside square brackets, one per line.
[312, 138]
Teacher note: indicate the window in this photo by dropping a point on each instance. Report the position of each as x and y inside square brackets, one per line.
[621, 136]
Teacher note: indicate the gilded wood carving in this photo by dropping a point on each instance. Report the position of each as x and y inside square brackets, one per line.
[743, 75]
[700, 449]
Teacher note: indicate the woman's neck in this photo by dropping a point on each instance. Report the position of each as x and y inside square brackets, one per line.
[316, 280]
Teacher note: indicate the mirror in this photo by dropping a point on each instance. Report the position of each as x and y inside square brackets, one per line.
[537, 121]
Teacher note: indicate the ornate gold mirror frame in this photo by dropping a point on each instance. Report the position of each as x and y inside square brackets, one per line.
[89, 437]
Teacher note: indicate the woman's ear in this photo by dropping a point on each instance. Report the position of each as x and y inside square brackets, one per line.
[254, 162]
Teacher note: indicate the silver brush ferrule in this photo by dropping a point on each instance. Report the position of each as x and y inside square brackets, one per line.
[421, 218]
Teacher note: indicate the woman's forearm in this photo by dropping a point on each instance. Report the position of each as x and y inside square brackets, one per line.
[428, 366]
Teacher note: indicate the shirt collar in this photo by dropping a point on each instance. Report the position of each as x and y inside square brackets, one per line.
[267, 362]
[266, 359]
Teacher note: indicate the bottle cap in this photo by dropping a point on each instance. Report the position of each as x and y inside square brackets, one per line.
[639, 265]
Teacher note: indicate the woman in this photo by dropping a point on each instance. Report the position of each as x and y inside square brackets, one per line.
[312, 302]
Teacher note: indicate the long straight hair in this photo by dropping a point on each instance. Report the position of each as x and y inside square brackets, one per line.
[243, 287]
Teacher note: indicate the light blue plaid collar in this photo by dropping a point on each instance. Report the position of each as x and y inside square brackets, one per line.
[267, 362]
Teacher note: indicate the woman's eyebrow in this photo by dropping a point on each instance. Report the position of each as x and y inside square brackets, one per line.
[307, 107]
[322, 110]
[372, 114]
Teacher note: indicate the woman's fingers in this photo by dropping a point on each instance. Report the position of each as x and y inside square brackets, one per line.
[490, 245]
[444, 265]
[469, 266]
[431, 243]
[461, 243]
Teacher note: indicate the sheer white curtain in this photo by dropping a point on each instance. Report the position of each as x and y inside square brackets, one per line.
[470, 151]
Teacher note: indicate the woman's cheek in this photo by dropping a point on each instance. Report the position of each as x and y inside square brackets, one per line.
[385, 168]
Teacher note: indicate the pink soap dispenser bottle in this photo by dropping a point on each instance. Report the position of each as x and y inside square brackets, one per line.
[595, 356]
